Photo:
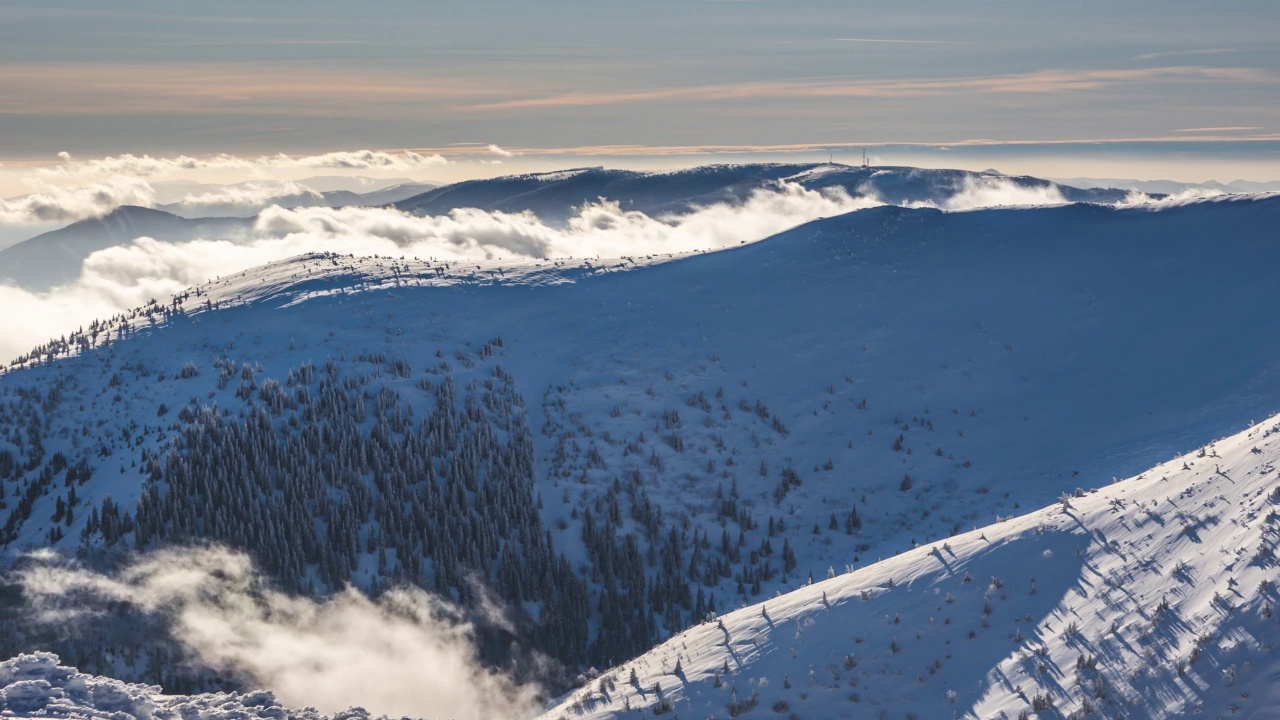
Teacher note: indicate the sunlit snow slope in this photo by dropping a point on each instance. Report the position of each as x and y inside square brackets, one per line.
[1153, 597]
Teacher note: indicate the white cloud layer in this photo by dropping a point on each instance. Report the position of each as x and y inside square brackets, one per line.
[52, 203]
[405, 654]
[73, 189]
[251, 194]
[985, 192]
[148, 166]
[600, 229]
[1186, 197]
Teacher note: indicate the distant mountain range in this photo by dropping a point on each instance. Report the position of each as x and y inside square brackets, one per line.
[55, 257]
[553, 196]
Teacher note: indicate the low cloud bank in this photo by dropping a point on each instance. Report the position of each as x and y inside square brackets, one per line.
[1186, 197]
[145, 166]
[404, 654]
[599, 229]
[987, 192]
[251, 195]
[72, 189]
[977, 193]
[52, 203]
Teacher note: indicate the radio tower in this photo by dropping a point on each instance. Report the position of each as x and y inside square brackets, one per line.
[864, 158]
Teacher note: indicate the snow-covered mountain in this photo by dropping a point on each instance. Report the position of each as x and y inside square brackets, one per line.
[654, 437]
[230, 213]
[1153, 597]
[553, 196]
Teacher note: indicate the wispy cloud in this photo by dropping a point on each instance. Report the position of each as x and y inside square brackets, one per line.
[251, 43]
[604, 151]
[223, 88]
[1180, 53]
[71, 188]
[51, 203]
[1039, 82]
[902, 41]
[150, 166]
[499, 151]
[1228, 128]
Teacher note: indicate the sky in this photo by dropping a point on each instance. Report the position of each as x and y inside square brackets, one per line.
[1176, 88]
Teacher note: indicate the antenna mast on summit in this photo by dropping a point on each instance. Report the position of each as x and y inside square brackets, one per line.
[864, 157]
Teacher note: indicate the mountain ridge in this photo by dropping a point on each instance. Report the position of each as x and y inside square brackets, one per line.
[903, 398]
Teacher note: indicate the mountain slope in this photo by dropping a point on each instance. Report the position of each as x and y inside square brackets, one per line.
[1150, 598]
[697, 433]
[553, 196]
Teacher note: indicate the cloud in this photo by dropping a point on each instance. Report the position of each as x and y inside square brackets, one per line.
[363, 160]
[250, 195]
[1137, 199]
[900, 41]
[52, 203]
[988, 192]
[124, 277]
[224, 88]
[404, 654]
[1179, 53]
[499, 151]
[1038, 82]
[147, 166]
[72, 188]
[1225, 128]
[598, 229]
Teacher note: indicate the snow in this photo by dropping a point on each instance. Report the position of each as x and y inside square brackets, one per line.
[1166, 579]
[908, 309]
[1019, 353]
[38, 686]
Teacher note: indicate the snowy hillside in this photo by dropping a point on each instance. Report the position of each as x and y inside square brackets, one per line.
[664, 437]
[1153, 597]
[553, 196]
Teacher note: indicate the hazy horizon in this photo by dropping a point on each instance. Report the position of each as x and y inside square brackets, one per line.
[1170, 90]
